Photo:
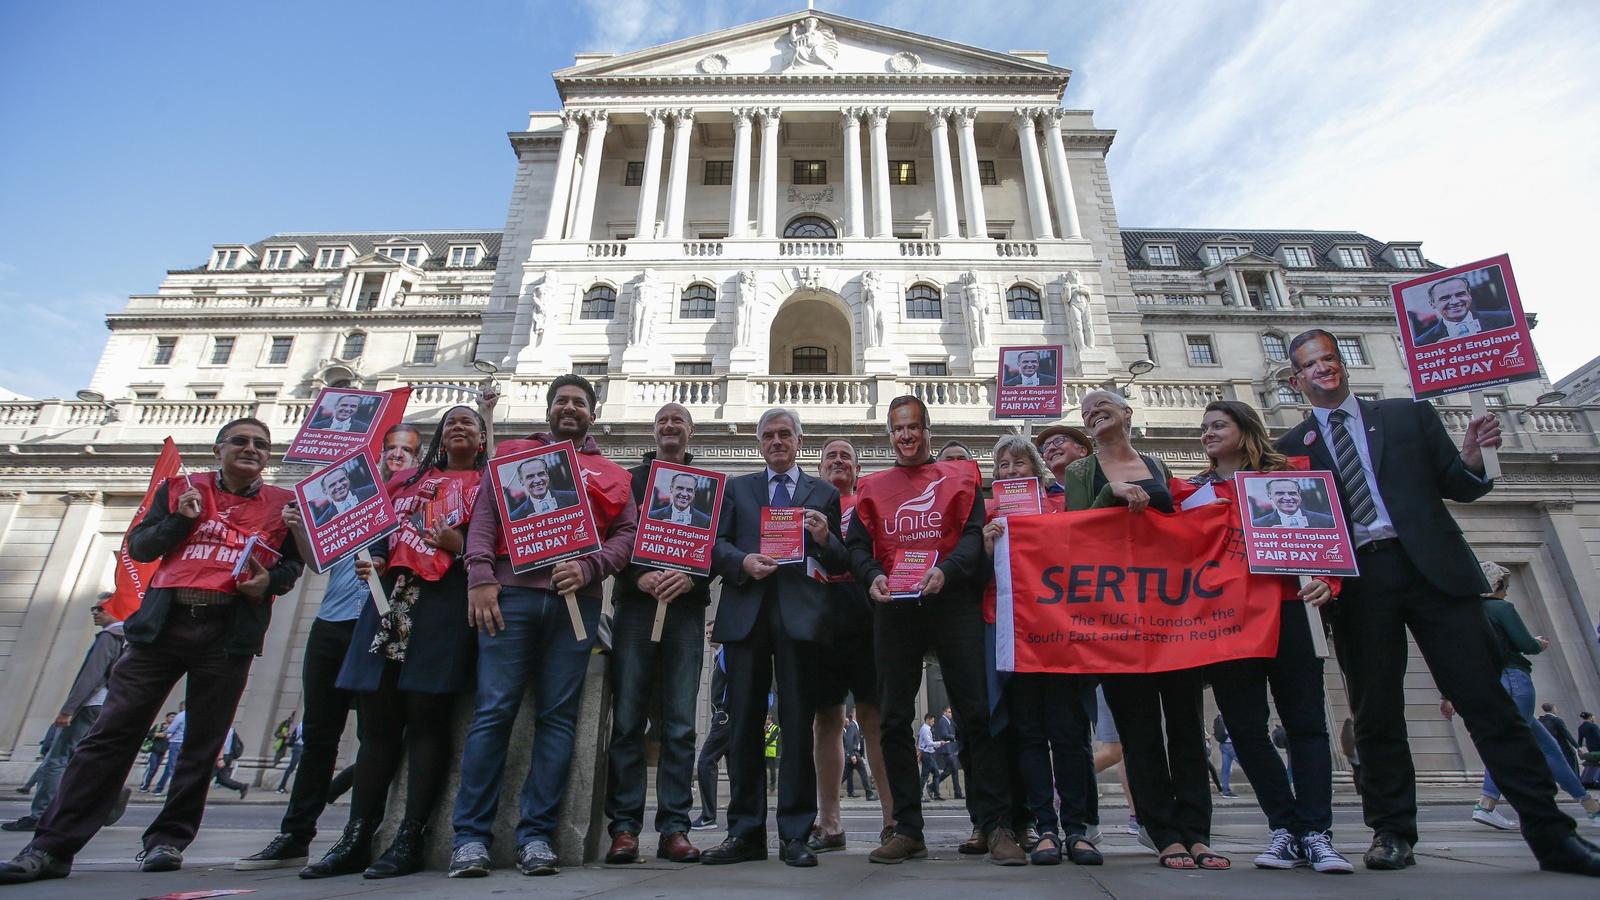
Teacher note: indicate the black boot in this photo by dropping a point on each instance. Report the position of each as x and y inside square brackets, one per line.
[404, 856]
[349, 855]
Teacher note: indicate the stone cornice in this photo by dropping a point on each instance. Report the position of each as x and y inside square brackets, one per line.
[743, 80]
[1295, 316]
[245, 318]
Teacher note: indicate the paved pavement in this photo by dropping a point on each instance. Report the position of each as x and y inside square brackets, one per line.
[1457, 859]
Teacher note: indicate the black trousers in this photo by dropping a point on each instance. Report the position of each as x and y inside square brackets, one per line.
[712, 750]
[1373, 614]
[1050, 717]
[951, 625]
[398, 723]
[851, 770]
[322, 724]
[752, 663]
[1295, 677]
[952, 770]
[1167, 776]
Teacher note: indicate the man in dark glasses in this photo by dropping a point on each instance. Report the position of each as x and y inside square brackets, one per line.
[198, 619]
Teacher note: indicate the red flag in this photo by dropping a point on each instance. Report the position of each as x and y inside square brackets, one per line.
[133, 578]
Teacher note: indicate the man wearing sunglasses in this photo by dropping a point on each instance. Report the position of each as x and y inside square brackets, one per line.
[199, 620]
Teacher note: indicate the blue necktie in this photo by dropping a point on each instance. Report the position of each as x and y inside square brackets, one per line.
[780, 494]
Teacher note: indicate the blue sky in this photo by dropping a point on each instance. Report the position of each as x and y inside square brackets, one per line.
[134, 136]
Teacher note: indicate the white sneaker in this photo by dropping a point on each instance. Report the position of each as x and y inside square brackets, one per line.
[1282, 853]
[1318, 849]
[1492, 818]
[1593, 819]
[1094, 836]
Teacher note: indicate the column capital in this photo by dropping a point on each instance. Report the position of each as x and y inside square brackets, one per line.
[681, 117]
[965, 116]
[743, 114]
[850, 117]
[76, 497]
[594, 116]
[570, 118]
[876, 115]
[1022, 118]
[938, 117]
[769, 115]
[657, 116]
[1052, 116]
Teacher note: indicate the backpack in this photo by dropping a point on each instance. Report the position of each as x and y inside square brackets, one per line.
[235, 747]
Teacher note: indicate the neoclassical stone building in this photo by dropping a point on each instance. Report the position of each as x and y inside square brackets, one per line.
[808, 211]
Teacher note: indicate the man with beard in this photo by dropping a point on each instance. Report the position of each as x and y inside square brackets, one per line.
[672, 666]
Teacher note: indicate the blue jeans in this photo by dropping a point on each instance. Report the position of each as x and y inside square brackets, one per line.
[172, 760]
[1225, 773]
[536, 646]
[55, 761]
[150, 767]
[1519, 685]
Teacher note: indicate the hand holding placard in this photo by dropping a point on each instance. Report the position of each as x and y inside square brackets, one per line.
[1482, 438]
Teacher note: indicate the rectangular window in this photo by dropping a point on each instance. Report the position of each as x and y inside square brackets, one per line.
[986, 172]
[205, 395]
[278, 259]
[1494, 401]
[463, 256]
[997, 235]
[902, 171]
[264, 395]
[221, 350]
[227, 259]
[1162, 254]
[355, 344]
[693, 367]
[1149, 348]
[589, 369]
[1201, 353]
[330, 257]
[1352, 257]
[1217, 253]
[810, 171]
[1297, 257]
[719, 171]
[164, 349]
[279, 353]
[1350, 348]
[929, 369]
[633, 176]
[407, 255]
[1407, 258]
[1274, 348]
[147, 395]
[426, 349]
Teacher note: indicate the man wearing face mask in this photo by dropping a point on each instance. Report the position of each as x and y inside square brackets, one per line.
[197, 620]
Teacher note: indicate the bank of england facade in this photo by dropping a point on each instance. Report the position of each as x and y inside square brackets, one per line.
[807, 211]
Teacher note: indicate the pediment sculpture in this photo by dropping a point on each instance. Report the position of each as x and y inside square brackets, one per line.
[811, 44]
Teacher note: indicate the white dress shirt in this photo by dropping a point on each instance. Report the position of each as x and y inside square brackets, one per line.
[772, 482]
[1298, 520]
[348, 503]
[1382, 526]
[1029, 381]
[545, 504]
[682, 516]
[1469, 325]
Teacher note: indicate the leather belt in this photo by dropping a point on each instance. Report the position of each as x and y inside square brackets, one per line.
[198, 601]
[1375, 546]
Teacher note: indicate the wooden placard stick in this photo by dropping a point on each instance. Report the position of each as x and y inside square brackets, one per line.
[578, 631]
[1491, 455]
[379, 598]
[1319, 637]
[661, 620]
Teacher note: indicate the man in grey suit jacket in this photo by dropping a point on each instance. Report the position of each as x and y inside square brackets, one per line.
[770, 618]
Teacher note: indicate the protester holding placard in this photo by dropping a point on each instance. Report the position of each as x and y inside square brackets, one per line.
[526, 636]
[920, 505]
[408, 664]
[1396, 465]
[1168, 777]
[197, 620]
[771, 620]
[671, 666]
[1299, 814]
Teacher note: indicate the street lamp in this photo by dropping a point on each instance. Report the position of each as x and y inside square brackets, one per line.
[1139, 367]
[1547, 398]
[98, 399]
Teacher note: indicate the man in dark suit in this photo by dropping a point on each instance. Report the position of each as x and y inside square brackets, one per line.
[1395, 466]
[347, 415]
[770, 618]
[944, 731]
[1288, 510]
[1028, 372]
[1557, 727]
[1452, 300]
[537, 496]
[680, 506]
[341, 499]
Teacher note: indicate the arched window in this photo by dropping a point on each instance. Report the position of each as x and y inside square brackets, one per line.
[699, 301]
[809, 361]
[922, 302]
[599, 303]
[1274, 347]
[1288, 396]
[1022, 302]
[810, 227]
[355, 343]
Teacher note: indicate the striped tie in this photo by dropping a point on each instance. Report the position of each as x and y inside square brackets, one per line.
[1362, 509]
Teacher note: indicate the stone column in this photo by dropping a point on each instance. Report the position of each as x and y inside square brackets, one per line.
[1032, 177]
[944, 186]
[593, 147]
[678, 179]
[650, 189]
[882, 217]
[561, 187]
[767, 201]
[1061, 180]
[971, 178]
[855, 216]
[739, 206]
[1280, 286]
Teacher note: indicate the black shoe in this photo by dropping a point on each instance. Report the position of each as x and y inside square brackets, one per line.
[796, 853]
[161, 858]
[1389, 852]
[701, 823]
[26, 823]
[823, 843]
[243, 789]
[871, 796]
[282, 850]
[119, 807]
[735, 850]
[1573, 855]
[33, 865]
[404, 856]
[352, 853]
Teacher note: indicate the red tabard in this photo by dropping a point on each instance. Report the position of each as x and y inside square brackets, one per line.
[608, 485]
[916, 507]
[205, 560]
[407, 549]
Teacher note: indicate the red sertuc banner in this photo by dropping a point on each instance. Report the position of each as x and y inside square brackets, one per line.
[1108, 591]
[133, 578]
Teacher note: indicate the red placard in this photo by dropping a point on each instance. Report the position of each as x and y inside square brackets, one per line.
[910, 566]
[544, 509]
[1017, 497]
[344, 507]
[783, 533]
[1293, 524]
[1464, 329]
[678, 520]
[343, 420]
[1029, 384]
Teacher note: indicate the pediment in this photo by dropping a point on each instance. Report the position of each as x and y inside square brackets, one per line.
[811, 43]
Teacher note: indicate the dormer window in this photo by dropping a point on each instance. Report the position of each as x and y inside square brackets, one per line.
[1161, 254]
[226, 259]
[1297, 257]
[407, 255]
[1407, 257]
[1351, 257]
[330, 257]
[279, 259]
[1218, 253]
[463, 256]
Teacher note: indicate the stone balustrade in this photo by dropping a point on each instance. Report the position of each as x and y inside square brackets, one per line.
[758, 249]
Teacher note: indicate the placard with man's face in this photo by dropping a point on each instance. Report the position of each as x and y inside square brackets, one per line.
[343, 420]
[678, 526]
[1293, 525]
[537, 484]
[344, 507]
[1029, 383]
[1464, 329]
[543, 506]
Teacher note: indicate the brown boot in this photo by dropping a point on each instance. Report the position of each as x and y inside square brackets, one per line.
[977, 845]
[675, 847]
[624, 849]
[1004, 849]
[898, 849]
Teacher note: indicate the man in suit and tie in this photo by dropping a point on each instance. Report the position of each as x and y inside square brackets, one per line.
[1395, 466]
[679, 508]
[1028, 372]
[341, 499]
[1452, 300]
[944, 730]
[537, 496]
[1288, 509]
[771, 618]
[344, 416]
